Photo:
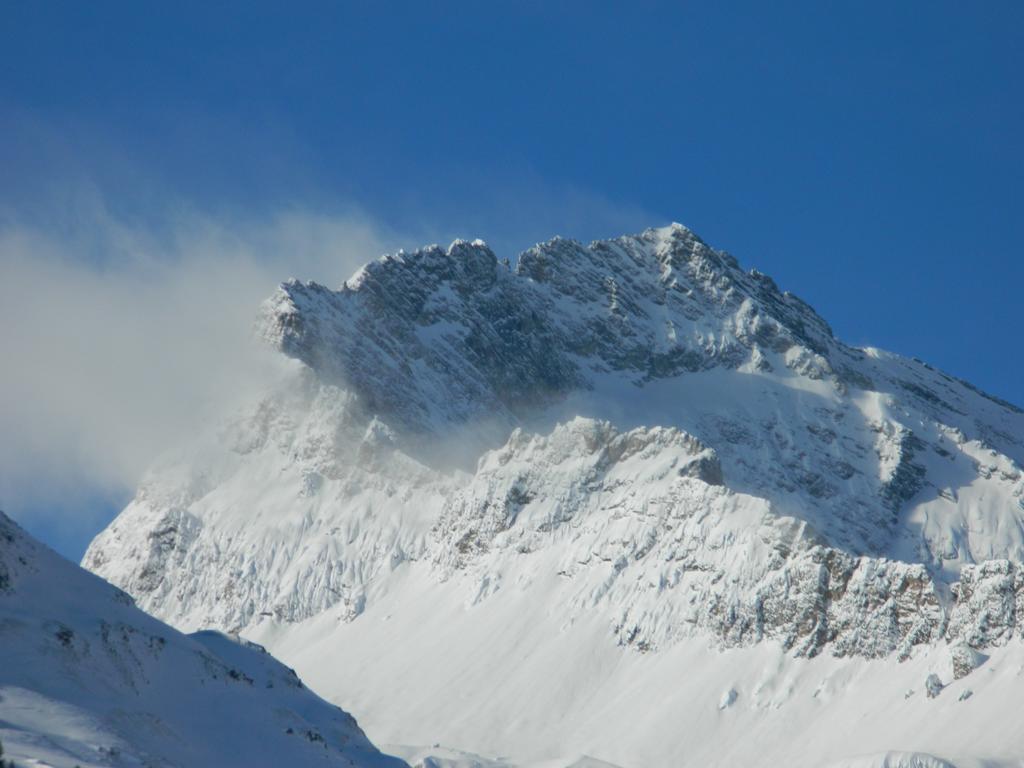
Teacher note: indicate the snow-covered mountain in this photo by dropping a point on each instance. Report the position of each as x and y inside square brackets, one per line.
[87, 679]
[625, 499]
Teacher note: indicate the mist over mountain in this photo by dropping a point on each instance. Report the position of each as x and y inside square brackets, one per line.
[624, 499]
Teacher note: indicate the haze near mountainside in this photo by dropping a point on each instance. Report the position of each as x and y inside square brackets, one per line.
[616, 454]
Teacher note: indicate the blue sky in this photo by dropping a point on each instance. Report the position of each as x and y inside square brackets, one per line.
[867, 156]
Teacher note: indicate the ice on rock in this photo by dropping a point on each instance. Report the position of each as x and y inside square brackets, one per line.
[933, 686]
[728, 699]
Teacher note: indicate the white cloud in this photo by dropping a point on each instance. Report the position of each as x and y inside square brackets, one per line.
[118, 341]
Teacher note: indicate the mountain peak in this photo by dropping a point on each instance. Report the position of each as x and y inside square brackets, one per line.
[645, 306]
[634, 443]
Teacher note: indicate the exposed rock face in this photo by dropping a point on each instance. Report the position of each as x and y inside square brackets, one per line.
[989, 604]
[687, 447]
[965, 660]
[441, 336]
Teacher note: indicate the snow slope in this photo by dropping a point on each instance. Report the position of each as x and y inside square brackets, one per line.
[510, 679]
[528, 488]
[87, 679]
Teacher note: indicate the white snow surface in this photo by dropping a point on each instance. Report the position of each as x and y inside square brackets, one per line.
[625, 501]
[87, 679]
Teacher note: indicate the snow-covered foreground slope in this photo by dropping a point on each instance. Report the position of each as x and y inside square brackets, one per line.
[545, 502]
[87, 679]
[513, 678]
